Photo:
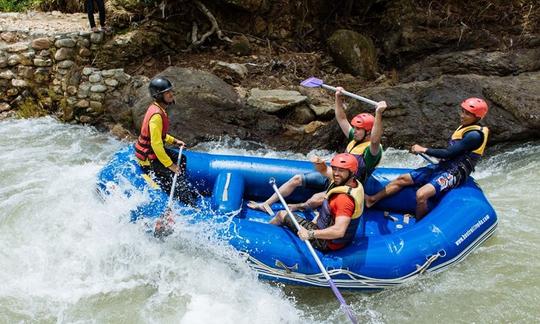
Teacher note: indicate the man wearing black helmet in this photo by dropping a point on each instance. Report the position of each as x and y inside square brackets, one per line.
[151, 154]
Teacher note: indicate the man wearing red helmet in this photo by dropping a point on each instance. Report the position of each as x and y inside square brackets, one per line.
[457, 161]
[340, 212]
[364, 134]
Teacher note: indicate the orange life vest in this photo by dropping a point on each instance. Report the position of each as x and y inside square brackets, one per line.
[143, 147]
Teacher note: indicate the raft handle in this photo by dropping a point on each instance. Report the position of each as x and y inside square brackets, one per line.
[285, 267]
[429, 260]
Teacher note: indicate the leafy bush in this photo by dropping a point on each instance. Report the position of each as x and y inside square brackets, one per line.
[15, 5]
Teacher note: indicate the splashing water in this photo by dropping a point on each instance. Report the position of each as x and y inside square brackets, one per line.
[68, 257]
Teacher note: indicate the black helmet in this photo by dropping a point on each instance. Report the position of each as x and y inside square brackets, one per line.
[158, 86]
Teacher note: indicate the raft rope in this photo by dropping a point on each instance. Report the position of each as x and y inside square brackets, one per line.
[354, 281]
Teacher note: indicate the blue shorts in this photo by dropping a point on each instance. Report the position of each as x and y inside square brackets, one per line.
[315, 181]
[443, 179]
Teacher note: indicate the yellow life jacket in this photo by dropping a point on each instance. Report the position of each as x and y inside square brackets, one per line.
[357, 194]
[460, 132]
[357, 149]
[326, 219]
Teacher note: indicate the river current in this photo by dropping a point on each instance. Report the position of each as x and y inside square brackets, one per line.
[67, 257]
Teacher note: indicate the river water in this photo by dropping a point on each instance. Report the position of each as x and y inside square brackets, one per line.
[67, 257]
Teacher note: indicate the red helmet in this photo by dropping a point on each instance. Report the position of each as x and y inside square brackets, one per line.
[364, 121]
[345, 161]
[475, 106]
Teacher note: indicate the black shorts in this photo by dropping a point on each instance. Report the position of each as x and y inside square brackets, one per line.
[319, 244]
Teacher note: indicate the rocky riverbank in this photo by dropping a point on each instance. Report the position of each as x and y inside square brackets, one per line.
[51, 64]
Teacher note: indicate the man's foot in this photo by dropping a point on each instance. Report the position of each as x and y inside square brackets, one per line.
[369, 200]
[260, 206]
[95, 29]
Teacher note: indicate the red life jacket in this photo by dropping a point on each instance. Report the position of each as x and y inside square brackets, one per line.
[143, 147]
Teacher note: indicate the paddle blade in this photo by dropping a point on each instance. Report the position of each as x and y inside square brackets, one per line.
[312, 83]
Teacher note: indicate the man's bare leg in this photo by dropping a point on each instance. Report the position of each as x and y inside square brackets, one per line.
[313, 202]
[285, 190]
[393, 187]
[278, 219]
[422, 196]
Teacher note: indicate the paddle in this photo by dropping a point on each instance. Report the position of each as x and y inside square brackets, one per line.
[427, 158]
[338, 295]
[315, 83]
[160, 229]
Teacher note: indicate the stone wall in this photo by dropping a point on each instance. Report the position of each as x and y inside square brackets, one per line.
[54, 75]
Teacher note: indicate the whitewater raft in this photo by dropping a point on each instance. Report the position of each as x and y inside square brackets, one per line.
[389, 249]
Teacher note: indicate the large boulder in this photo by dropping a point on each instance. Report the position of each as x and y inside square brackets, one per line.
[206, 108]
[477, 61]
[354, 53]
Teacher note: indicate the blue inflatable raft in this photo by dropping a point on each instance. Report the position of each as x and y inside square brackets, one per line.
[390, 248]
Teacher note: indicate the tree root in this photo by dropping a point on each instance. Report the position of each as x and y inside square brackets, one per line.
[195, 42]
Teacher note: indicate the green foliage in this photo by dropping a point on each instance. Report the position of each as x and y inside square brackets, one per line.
[16, 5]
[28, 109]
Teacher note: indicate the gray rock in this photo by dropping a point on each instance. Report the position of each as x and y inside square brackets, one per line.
[322, 110]
[272, 101]
[239, 69]
[83, 42]
[111, 82]
[45, 53]
[84, 90]
[95, 78]
[4, 106]
[98, 88]
[478, 61]
[66, 64]
[87, 71]
[96, 106]
[63, 53]
[18, 83]
[354, 53]
[108, 73]
[7, 75]
[302, 115]
[82, 104]
[17, 48]
[42, 62]
[121, 76]
[14, 59]
[65, 42]
[240, 46]
[97, 96]
[85, 52]
[96, 38]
